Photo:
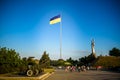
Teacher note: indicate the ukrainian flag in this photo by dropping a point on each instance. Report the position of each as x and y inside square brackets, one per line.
[55, 19]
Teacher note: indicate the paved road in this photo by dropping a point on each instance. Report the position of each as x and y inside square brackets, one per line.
[89, 75]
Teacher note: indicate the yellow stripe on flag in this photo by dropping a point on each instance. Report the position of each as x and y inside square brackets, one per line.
[55, 21]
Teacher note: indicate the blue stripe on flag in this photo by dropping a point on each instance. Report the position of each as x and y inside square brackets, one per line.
[55, 17]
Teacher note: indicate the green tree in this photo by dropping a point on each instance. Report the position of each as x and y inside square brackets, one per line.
[87, 60]
[91, 59]
[114, 52]
[108, 61]
[54, 62]
[60, 62]
[24, 64]
[45, 60]
[9, 60]
[83, 60]
[67, 63]
[70, 60]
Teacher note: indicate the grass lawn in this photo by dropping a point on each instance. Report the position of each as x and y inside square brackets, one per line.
[8, 74]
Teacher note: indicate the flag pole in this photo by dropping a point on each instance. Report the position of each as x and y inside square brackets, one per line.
[61, 37]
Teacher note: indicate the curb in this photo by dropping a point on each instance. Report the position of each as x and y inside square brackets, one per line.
[43, 77]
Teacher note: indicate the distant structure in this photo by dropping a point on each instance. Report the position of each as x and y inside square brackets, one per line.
[93, 47]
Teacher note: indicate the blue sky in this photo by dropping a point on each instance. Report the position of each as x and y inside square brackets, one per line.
[24, 26]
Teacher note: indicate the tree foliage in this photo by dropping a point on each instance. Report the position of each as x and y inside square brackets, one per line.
[70, 60]
[60, 62]
[9, 60]
[114, 52]
[45, 60]
[87, 60]
[54, 62]
[108, 61]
